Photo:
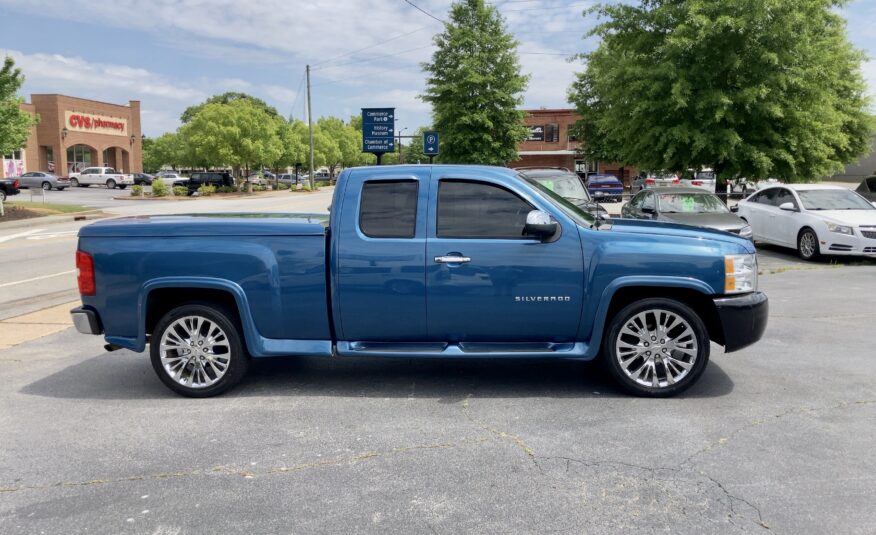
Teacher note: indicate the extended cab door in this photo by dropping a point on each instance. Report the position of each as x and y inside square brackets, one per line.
[486, 282]
[380, 255]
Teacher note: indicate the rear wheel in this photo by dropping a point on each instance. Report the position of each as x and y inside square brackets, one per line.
[110, 184]
[123, 186]
[656, 347]
[197, 350]
[2, 196]
[807, 245]
[47, 186]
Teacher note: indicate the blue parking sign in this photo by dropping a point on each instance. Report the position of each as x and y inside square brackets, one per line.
[430, 143]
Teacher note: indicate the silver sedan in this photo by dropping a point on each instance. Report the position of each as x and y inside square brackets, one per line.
[46, 181]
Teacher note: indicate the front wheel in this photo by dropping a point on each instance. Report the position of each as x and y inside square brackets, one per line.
[74, 183]
[656, 347]
[110, 184]
[47, 186]
[807, 245]
[197, 350]
[2, 196]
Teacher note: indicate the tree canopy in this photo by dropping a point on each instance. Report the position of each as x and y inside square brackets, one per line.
[14, 124]
[751, 87]
[475, 87]
[227, 98]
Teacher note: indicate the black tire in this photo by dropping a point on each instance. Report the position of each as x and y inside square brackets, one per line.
[238, 358]
[807, 245]
[2, 196]
[75, 183]
[47, 186]
[624, 318]
[61, 189]
[123, 186]
[110, 184]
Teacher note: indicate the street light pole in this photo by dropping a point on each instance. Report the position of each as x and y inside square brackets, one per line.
[310, 127]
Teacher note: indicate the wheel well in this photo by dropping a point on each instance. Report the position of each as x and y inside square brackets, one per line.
[701, 303]
[163, 300]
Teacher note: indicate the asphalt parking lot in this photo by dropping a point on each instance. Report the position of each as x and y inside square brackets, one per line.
[775, 438]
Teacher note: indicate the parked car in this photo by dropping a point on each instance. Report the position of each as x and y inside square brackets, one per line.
[8, 188]
[685, 206]
[419, 261]
[815, 219]
[704, 179]
[606, 187]
[46, 181]
[653, 181]
[101, 176]
[867, 188]
[567, 185]
[210, 178]
[172, 178]
[143, 179]
[262, 179]
[291, 179]
[322, 176]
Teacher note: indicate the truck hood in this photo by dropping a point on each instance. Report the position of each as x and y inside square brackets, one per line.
[725, 222]
[661, 228]
[209, 225]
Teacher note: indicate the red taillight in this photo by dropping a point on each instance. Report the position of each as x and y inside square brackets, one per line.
[650, 181]
[675, 181]
[85, 265]
[696, 183]
[16, 184]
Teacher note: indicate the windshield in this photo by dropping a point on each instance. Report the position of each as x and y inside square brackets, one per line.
[569, 187]
[580, 216]
[691, 203]
[833, 199]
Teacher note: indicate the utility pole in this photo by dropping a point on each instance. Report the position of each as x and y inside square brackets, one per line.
[310, 127]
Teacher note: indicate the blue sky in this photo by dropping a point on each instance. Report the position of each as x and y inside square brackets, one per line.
[170, 54]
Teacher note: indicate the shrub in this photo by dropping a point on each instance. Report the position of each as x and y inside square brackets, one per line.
[283, 186]
[256, 187]
[137, 191]
[206, 190]
[159, 188]
[180, 191]
[226, 189]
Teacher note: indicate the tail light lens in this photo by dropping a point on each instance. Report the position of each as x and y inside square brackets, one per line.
[676, 181]
[696, 183]
[85, 278]
[650, 181]
[16, 184]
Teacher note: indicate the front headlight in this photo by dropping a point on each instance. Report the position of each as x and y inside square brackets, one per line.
[740, 273]
[840, 229]
[745, 232]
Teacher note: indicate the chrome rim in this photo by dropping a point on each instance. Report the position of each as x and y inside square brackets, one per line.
[195, 352]
[47, 186]
[656, 348]
[807, 244]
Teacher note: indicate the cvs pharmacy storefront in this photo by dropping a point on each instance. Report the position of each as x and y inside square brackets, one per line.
[75, 133]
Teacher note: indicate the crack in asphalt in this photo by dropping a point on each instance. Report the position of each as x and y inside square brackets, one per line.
[508, 437]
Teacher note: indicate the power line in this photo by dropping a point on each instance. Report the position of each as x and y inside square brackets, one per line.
[298, 92]
[421, 10]
[345, 54]
[373, 58]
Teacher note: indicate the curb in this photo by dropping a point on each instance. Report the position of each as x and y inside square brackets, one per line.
[54, 219]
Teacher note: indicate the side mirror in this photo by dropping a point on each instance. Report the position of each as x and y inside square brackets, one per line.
[539, 224]
[649, 210]
[734, 209]
[787, 206]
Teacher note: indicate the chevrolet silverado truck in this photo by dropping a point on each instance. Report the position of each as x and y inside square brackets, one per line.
[102, 176]
[419, 261]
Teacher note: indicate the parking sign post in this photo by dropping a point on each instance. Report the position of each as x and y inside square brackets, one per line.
[430, 144]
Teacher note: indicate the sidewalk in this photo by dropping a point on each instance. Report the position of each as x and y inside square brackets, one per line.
[21, 329]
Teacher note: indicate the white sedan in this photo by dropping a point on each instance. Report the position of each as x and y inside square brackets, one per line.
[812, 218]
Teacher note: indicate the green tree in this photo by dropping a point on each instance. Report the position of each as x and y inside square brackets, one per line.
[227, 98]
[413, 151]
[475, 87]
[347, 139]
[750, 87]
[238, 134]
[295, 144]
[15, 124]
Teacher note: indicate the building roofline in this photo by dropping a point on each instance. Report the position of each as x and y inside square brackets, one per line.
[551, 110]
[78, 98]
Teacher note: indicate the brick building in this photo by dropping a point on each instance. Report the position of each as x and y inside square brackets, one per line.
[551, 144]
[75, 133]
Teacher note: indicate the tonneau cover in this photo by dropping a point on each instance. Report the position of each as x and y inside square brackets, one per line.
[162, 226]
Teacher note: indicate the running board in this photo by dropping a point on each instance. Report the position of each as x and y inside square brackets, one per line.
[463, 349]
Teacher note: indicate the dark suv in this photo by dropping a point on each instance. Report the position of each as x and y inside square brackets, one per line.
[210, 178]
[8, 187]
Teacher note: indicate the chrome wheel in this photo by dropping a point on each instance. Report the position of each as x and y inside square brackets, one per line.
[195, 352]
[46, 186]
[656, 348]
[808, 244]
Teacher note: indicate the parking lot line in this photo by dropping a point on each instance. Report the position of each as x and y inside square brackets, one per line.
[34, 279]
[20, 235]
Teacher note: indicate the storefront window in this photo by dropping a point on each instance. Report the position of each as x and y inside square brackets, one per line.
[78, 158]
[13, 164]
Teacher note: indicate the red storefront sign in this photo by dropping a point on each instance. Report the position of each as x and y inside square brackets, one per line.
[85, 121]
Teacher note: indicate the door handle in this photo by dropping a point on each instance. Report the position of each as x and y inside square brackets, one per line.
[452, 259]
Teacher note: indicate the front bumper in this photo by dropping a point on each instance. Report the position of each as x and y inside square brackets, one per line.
[86, 320]
[743, 319]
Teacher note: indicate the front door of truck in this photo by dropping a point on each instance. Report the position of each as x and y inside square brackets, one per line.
[380, 256]
[486, 282]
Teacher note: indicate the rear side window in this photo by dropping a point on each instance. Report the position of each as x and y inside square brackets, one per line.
[388, 209]
[478, 210]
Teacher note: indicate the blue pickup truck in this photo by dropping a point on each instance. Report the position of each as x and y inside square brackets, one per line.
[419, 261]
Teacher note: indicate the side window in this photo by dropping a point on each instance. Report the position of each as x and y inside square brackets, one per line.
[110, 171]
[871, 182]
[783, 196]
[648, 202]
[636, 203]
[479, 210]
[388, 208]
[766, 197]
